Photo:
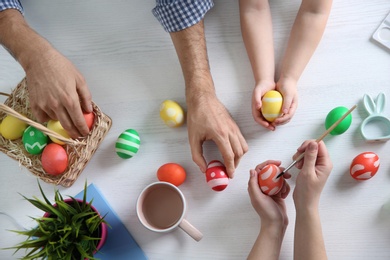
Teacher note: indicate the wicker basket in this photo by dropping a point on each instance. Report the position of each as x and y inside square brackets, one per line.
[79, 151]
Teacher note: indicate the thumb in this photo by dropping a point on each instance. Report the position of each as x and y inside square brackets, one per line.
[310, 157]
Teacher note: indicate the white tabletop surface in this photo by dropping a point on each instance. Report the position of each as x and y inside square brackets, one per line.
[131, 66]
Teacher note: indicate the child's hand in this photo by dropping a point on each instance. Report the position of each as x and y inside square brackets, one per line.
[272, 210]
[258, 93]
[288, 89]
[315, 168]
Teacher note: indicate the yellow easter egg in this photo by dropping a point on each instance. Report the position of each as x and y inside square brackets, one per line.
[171, 113]
[271, 107]
[12, 128]
[57, 127]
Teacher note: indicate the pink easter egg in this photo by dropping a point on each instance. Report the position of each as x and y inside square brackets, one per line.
[268, 182]
[364, 166]
[216, 176]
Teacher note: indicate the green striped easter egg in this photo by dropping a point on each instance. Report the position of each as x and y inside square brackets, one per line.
[127, 144]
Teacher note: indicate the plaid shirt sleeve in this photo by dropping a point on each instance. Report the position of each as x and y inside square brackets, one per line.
[176, 15]
[8, 4]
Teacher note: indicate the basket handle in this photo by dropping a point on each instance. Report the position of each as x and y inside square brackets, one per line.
[38, 126]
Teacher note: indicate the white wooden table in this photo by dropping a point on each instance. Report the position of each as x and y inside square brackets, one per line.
[131, 66]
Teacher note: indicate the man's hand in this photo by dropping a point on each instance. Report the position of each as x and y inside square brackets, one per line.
[57, 89]
[208, 119]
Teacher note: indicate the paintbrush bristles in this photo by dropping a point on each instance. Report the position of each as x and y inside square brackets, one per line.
[319, 139]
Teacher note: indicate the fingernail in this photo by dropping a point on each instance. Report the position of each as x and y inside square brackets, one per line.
[252, 173]
[312, 147]
[90, 108]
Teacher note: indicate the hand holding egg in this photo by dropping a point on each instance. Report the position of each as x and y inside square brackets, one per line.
[268, 182]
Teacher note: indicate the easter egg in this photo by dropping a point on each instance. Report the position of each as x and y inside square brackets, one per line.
[34, 141]
[216, 176]
[127, 144]
[271, 107]
[364, 166]
[54, 159]
[57, 127]
[171, 113]
[334, 115]
[12, 128]
[89, 119]
[172, 173]
[268, 182]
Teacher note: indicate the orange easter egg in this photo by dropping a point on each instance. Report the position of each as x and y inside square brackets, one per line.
[364, 166]
[172, 173]
[268, 182]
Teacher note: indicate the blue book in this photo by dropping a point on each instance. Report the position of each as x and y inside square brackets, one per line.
[119, 243]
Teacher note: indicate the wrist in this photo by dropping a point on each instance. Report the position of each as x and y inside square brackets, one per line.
[273, 231]
[307, 211]
[274, 226]
[199, 86]
[288, 80]
[265, 83]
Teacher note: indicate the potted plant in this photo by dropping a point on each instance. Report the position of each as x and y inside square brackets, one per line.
[69, 229]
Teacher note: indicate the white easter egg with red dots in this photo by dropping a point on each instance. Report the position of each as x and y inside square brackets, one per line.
[216, 176]
[268, 182]
[364, 166]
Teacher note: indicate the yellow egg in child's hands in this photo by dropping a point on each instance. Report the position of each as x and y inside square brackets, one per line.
[271, 107]
[56, 126]
[12, 128]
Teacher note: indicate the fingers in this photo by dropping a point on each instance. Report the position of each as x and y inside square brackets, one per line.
[228, 156]
[253, 185]
[84, 96]
[285, 190]
[258, 117]
[197, 154]
[310, 157]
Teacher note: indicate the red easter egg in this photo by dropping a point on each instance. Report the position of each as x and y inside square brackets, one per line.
[54, 159]
[216, 176]
[268, 182]
[364, 166]
[172, 173]
[89, 119]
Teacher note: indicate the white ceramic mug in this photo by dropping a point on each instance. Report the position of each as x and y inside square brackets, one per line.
[161, 207]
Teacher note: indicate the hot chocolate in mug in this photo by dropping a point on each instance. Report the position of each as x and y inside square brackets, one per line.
[161, 207]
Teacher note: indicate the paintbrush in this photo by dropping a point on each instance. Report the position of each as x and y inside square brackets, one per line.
[318, 140]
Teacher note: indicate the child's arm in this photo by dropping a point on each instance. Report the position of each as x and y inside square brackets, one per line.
[273, 216]
[256, 28]
[305, 36]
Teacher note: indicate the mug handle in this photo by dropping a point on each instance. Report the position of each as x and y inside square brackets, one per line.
[190, 230]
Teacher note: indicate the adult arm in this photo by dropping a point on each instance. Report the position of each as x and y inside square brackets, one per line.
[256, 29]
[315, 169]
[57, 90]
[305, 36]
[207, 118]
